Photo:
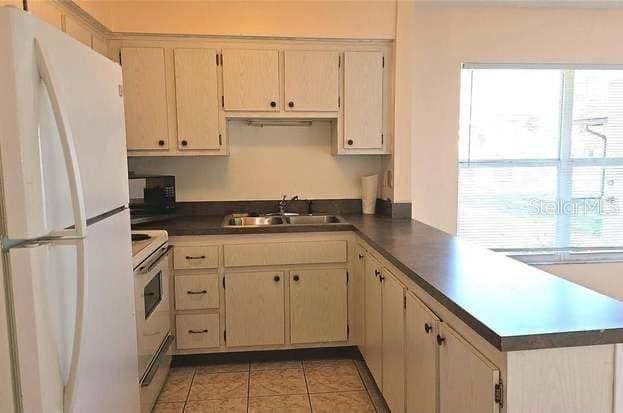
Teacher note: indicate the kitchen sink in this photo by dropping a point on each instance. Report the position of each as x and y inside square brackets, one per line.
[239, 221]
[261, 221]
[313, 219]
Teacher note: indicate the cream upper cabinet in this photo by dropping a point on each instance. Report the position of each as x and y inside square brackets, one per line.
[48, 12]
[422, 356]
[197, 99]
[466, 379]
[77, 30]
[250, 80]
[393, 345]
[145, 98]
[363, 100]
[311, 80]
[254, 308]
[318, 306]
[372, 347]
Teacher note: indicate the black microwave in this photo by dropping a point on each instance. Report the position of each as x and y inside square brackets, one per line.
[152, 197]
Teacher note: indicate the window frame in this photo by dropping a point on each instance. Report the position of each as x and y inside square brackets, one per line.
[564, 164]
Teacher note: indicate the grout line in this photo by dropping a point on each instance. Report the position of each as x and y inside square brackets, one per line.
[249, 390]
[306, 386]
[192, 380]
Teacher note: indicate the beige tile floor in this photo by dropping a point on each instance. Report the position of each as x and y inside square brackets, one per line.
[321, 386]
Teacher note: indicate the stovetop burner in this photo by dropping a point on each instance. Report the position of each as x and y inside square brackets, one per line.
[140, 237]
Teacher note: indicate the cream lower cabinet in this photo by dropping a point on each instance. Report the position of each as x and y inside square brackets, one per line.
[393, 342]
[422, 357]
[467, 380]
[373, 324]
[318, 306]
[254, 308]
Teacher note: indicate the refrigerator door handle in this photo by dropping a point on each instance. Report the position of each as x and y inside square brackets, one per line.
[48, 76]
[78, 232]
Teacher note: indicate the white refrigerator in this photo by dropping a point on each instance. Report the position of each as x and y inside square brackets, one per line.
[67, 322]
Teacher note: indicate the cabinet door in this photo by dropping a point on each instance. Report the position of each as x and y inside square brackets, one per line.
[363, 100]
[466, 379]
[393, 342]
[422, 357]
[251, 80]
[47, 11]
[311, 80]
[373, 319]
[254, 308]
[196, 92]
[318, 306]
[145, 98]
[78, 31]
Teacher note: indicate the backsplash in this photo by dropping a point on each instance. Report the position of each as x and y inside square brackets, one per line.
[265, 163]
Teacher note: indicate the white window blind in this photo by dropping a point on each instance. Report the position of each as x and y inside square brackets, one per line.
[541, 159]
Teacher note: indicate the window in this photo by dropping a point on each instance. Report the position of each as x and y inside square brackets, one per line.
[541, 160]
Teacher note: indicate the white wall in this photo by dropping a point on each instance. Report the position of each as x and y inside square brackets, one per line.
[266, 163]
[607, 278]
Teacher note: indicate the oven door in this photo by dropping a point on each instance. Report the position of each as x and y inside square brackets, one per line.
[153, 318]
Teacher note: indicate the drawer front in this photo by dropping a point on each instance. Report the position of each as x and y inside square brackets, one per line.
[197, 330]
[196, 292]
[285, 253]
[191, 257]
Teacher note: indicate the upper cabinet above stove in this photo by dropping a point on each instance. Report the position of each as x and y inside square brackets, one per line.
[180, 92]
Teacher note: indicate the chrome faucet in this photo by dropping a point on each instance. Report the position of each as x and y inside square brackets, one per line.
[284, 203]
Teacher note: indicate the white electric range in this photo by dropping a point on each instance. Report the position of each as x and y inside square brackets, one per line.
[151, 258]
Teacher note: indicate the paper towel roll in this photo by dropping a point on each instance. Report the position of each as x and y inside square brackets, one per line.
[369, 189]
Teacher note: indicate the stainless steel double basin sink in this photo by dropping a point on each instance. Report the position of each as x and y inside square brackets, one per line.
[238, 221]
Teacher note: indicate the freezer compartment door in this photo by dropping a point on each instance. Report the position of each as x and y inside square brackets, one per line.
[34, 178]
[44, 288]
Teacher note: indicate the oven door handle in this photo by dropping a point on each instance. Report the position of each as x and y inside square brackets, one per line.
[153, 368]
[146, 267]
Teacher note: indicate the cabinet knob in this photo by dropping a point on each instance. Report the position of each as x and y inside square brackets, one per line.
[350, 142]
[273, 104]
[291, 104]
[160, 142]
[277, 278]
[184, 142]
[360, 256]
[295, 278]
[428, 328]
[440, 340]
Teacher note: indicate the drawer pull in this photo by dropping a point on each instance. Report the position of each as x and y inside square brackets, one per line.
[199, 257]
[360, 256]
[197, 292]
[197, 331]
[277, 278]
[296, 277]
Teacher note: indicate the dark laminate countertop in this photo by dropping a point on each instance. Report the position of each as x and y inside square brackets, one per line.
[510, 304]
